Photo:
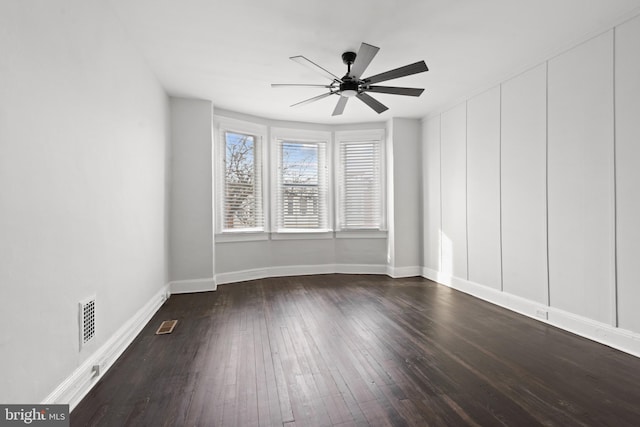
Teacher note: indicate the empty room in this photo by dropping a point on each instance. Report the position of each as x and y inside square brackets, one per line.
[321, 213]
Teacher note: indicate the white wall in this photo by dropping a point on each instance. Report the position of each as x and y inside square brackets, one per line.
[360, 251]
[192, 247]
[242, 260]
[403, 203]
[529, 180]
[627, 107]
[431, 193]
[83, 163]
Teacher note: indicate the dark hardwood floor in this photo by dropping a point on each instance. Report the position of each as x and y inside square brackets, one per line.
[354, 350]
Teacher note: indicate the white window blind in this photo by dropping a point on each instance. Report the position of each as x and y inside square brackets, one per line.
[242, 205]
[301, 188]
[360, 185]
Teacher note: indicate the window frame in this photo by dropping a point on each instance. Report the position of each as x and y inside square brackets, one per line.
[221, 127]
[360, 136]
[301, 136]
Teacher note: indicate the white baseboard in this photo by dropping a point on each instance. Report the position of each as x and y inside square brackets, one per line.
[618, 338]
[398, 272]
[192, 286]
[76, 386]
[298, 270]
[436, 276]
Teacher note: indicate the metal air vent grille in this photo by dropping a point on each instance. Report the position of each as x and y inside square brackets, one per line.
[87, 320]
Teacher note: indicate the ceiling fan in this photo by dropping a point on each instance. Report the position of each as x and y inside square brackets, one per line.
[351, 84]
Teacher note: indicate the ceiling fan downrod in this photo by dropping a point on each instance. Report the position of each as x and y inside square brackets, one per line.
[349, 86]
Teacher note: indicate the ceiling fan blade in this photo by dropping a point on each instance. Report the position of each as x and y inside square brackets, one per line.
[363, 59]
[408, 91]
[297, 85]
[371, 102]
[407, 70]
[340, 106]
[314, 99]
[312, 65]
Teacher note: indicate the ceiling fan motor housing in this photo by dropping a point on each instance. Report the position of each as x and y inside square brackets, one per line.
[348, 87]
[349, 57]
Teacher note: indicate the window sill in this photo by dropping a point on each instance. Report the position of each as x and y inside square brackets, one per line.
[255, 236]
[361, 234]
[242, 237]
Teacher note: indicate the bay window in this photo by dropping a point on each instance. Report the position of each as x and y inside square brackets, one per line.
[277, 183]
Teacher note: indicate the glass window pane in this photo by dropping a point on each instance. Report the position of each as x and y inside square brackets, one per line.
[302, 185]
[299, 163]
[242, 197]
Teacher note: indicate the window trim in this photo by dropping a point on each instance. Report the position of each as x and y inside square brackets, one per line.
[300, 135]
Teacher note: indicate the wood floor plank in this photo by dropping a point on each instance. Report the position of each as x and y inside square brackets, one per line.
[358, 350]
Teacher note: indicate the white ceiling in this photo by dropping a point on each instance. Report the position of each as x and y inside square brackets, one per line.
[231, 51]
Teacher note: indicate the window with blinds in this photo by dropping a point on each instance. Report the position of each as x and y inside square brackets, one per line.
[360, 185]
[301, 191]
[242, 193]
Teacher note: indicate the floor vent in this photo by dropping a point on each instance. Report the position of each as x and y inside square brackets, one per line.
[166, 327]
[87, 320]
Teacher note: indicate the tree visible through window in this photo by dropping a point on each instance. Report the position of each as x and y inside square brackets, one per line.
[242, 192]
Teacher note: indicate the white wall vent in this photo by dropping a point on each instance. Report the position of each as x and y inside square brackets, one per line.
[87, 320]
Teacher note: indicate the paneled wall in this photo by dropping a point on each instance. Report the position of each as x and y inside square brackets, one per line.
[523, 166]
[537, 203]
[453, 194]
[580, 173]
[483, 188]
